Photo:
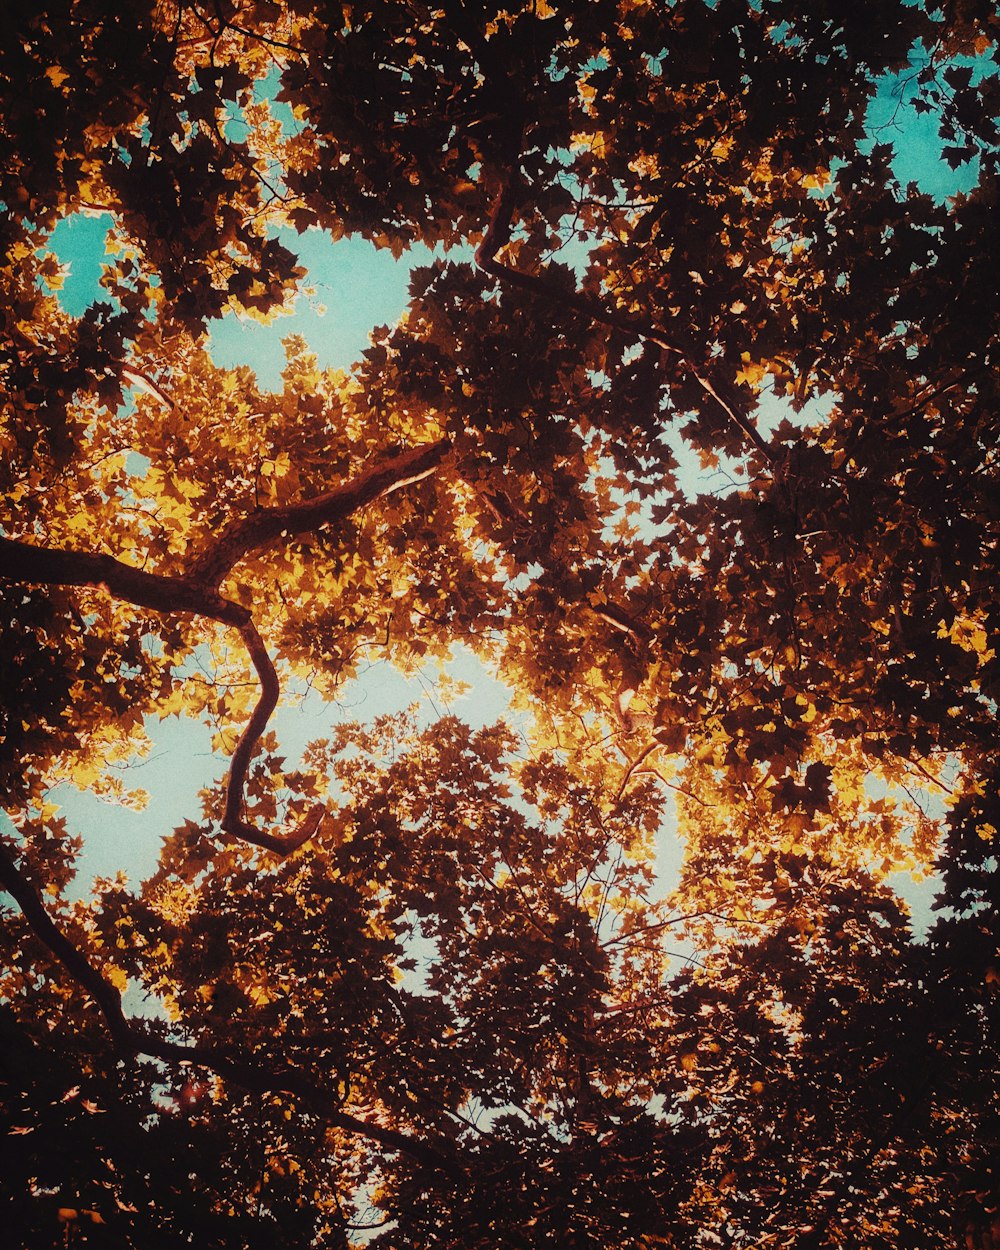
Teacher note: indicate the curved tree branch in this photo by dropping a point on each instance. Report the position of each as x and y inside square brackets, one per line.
[197, 591]
[633, 766]
[261, 528]
[232, 820]
[130, 1038]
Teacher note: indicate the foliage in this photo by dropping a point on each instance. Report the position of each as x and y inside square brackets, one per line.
[689, 434]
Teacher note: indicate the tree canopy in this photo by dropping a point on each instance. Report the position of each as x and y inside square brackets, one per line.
[689, 433]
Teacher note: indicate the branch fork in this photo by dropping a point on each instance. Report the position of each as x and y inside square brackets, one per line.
[197, 592]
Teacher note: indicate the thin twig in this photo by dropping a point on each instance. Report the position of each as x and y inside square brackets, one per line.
[497, 237]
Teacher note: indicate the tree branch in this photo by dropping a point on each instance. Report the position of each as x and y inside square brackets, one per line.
[633, 766]
[197, 591]
[135, 1040]
[138, 378]
[23, 562]
[261, 528]
[497, 236]
[76, 964]
[232, 821]
[619, 619]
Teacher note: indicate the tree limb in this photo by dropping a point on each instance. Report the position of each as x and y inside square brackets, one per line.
[138, 378]
[261, 528]
[76, 964]
[197, 591]
[163, 592]
[133, 1039]
[232, 821]
[619, 619]
[497, 236]
[633, 766]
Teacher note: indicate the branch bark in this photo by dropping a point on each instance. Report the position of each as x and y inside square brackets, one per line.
[619, 619]
[139, 378]
[197, 591]
[263, 527]
[132, 1039]
[232, 820]
[162, 592]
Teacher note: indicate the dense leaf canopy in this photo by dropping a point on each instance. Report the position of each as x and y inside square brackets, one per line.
[689, 434]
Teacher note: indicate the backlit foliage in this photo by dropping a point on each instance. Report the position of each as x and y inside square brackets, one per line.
[689, 434]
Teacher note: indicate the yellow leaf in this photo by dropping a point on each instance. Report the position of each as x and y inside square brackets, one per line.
[817, 181]
[752, 372]
[118, 978]
[56, 75]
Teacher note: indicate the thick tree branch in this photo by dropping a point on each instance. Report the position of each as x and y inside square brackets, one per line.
[133, 1039]
[23, 562]
[76, 964]
[321, 1100]
[497, 236]
[261, 528]
[232, 821]
[197, 591]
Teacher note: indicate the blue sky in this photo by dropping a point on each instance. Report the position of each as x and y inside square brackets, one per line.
[357, 287]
